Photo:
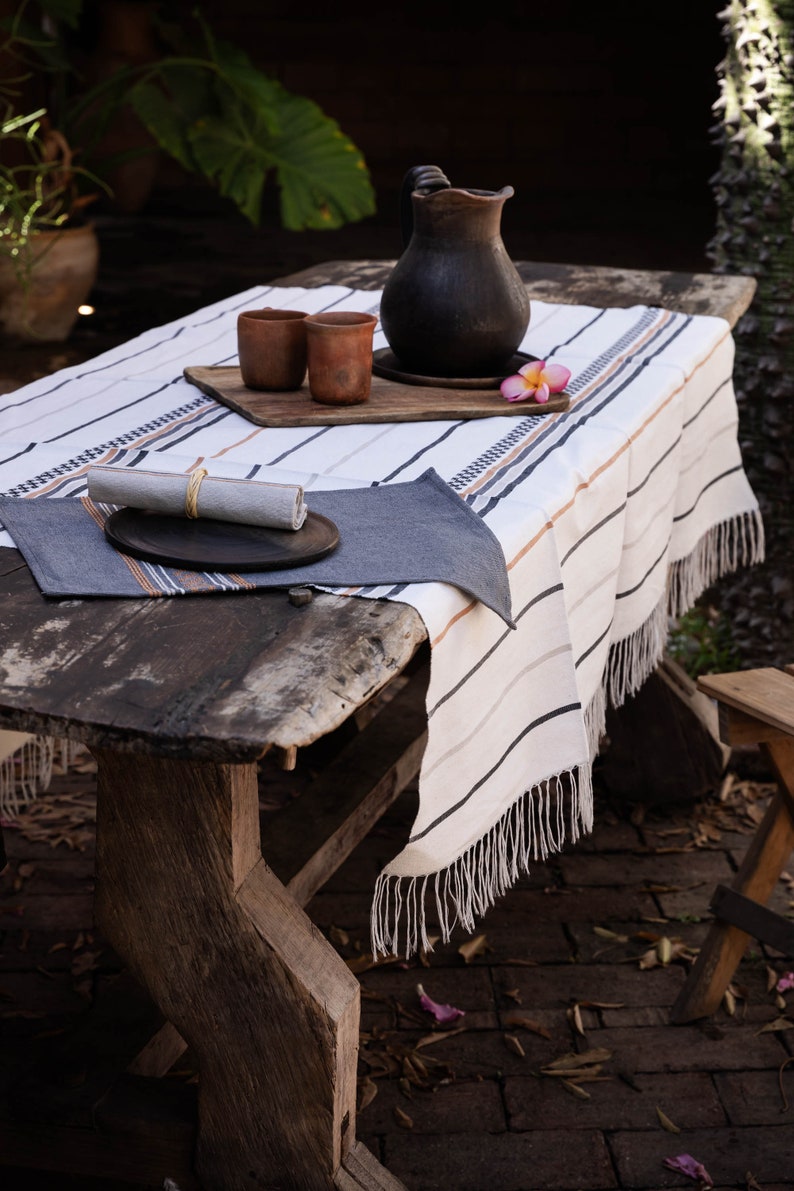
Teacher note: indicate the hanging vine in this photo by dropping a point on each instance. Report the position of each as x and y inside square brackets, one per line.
[754, 192]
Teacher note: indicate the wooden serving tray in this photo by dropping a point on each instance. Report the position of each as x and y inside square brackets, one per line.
[389, 401]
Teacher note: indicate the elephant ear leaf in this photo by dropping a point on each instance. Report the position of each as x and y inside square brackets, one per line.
[235, 161]
[323, 180]
[170, 105]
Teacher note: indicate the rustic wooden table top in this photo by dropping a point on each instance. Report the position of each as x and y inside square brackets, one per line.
[220, 679]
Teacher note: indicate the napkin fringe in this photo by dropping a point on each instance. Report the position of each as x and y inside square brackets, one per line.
[25, 774]
[533, 828]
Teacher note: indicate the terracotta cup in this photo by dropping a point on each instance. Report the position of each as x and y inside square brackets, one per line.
[339, 348]
[271, 345]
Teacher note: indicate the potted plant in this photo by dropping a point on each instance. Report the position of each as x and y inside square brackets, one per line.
[203, 103]
[48, 251]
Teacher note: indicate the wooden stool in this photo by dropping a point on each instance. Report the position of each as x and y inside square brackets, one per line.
[755, 707]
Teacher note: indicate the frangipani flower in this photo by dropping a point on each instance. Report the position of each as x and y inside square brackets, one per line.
[444, 1014]
[536, 380]
[686, 1164]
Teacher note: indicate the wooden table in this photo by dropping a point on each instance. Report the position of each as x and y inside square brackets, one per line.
[178, 700]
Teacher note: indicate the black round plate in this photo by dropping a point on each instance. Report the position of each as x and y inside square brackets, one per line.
[204, 545]
[386, 364]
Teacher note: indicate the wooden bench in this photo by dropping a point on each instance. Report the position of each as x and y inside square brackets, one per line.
[755, 707]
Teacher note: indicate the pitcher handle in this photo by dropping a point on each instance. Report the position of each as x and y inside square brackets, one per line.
[426, 178]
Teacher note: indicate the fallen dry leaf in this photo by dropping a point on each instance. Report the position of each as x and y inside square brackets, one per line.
[575, 1017]
[526, 1023]
[603, 933]
[776, 1026]
[664, 950]
[438, 1036]
[575, 1089]
[514, 1045]
[402, 1118]
[665, 1121]
[474, 947]
[597, 1054]
[367, 1090]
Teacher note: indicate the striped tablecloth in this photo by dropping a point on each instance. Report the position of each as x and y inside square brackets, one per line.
[612, 516]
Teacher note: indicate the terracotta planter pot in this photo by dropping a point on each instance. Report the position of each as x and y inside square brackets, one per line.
[63, 275]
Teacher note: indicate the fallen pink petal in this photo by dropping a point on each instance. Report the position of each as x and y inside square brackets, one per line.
[442, 1013]
[785, 982]
[686, 1164]
[535, 381]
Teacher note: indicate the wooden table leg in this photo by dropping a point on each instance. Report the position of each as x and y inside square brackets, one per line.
[758, 874]
[264, 1002]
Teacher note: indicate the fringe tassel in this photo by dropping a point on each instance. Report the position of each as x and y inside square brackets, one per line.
[729, 545]
[736, 542]
[25, 774]
[534, 827]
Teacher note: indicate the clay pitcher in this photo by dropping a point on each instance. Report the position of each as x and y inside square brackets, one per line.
[454, 305]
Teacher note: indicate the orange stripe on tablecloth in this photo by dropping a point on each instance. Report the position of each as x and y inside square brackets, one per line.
[240, 442]
[602, 376]
[111, 454]
[132, 564]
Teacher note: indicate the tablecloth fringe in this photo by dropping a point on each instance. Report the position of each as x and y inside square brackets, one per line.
[25, 774]
[738, 541]
[533, 828]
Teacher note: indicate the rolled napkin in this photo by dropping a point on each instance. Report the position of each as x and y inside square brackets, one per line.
[248, 502]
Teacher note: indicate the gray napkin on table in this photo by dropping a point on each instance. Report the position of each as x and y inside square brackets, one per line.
[245, 502]
[390, 534]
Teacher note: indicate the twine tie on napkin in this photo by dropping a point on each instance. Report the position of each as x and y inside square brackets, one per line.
[246, 502]
[192, 491]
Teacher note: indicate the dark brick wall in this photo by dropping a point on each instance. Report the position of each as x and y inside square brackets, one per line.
[598, 115]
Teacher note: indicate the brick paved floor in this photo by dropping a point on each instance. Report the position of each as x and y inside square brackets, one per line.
[471, 1110]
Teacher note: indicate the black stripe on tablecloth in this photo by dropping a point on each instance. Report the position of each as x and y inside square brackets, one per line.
[569, 421]
[19, 454]
[731, 471]
[209, 401]
[574, 425]
[495, 452]
[707, 402]
[118, 409]
[657, 464]
[583, 657]
[134, 355]
[621, 595]
[593, 529]
[537, 599]
[581, 331]
[536, 723]
[198, 406]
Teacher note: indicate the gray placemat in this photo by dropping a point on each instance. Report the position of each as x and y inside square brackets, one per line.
[390, 534]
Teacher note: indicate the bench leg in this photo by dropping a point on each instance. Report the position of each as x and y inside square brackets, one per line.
[760, 870]
[267, 1007]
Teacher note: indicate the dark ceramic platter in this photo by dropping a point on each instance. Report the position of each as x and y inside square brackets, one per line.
[386, 364]
[204, 545]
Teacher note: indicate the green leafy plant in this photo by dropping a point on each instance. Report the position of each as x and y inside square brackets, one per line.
[38, 181]
[207, 106]
[701, 642]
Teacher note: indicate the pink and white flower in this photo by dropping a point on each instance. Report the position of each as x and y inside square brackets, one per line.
[536, 381]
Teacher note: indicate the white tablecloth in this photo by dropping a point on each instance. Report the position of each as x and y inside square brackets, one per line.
[612, 516]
